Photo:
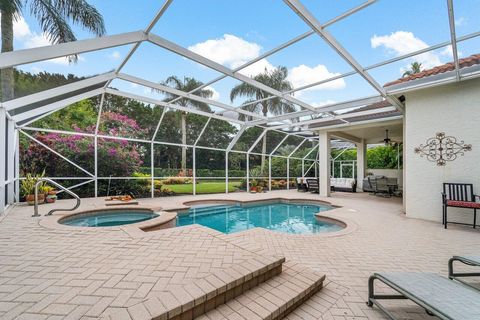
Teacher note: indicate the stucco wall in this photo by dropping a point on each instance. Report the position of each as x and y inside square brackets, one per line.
[455, 110]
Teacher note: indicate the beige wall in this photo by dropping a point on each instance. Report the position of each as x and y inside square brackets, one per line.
[455, 110]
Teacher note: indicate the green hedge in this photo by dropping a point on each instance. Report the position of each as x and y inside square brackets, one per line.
[207, 173]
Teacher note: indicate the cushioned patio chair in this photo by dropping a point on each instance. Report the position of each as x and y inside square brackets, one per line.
[312, 185]
[459, 195]
[473, 261]
[438, 295]
[301, 185]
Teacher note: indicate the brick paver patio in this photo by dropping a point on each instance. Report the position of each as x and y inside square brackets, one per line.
[55, 273]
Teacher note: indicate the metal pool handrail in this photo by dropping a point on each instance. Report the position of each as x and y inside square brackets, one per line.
[35, 208]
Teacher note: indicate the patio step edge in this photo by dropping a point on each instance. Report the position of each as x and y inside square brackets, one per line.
[273, 299]
[205, 294]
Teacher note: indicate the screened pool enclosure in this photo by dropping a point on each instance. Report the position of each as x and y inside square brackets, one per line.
[234, 145]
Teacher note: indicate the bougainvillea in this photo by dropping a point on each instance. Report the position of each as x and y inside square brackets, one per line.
[115, 157]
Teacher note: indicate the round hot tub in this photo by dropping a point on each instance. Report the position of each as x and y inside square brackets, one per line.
[108, 218]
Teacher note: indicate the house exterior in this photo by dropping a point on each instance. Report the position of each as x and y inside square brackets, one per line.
[434, 102]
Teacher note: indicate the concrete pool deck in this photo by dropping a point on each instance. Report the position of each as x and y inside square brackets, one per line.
[55, 273]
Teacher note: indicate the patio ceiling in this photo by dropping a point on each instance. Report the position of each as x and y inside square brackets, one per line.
[308, 118]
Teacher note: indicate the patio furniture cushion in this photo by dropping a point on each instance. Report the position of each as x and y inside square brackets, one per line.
[464, 204]
[347, 184]
[450, 299]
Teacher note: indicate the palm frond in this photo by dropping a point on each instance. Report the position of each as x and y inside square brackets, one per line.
[52, 22]
[83, 14]
[11, 6]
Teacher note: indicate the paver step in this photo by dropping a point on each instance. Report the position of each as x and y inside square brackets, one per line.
[273, 299]
[205, 294]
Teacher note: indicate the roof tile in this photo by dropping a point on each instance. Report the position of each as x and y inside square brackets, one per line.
[465, 62]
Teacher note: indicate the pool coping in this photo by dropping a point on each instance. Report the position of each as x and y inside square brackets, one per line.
[133, 229]
[167, 218]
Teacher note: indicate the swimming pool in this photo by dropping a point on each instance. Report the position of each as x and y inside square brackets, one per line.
[108, 218]
[296, 218]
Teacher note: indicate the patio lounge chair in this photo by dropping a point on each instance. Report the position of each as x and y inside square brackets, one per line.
[438, 295]
[312, 185]
[473, 261]
[459, 195]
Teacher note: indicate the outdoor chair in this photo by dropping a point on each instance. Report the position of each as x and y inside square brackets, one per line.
[381, 187]
[312, 185]
[301, 185]
[473, 261]
[438, 295]
[459, 195]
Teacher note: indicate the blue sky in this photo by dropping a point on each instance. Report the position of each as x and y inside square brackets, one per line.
[233, 32]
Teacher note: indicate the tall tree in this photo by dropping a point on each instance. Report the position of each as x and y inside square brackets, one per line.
[54, 17]
[187, 85]
[415, 67]
[276, 79]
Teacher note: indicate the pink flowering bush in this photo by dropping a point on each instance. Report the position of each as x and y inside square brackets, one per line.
[115, 157]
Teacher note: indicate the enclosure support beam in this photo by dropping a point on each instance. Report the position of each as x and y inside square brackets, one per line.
[269, 173]
[288, 173]
[453, 38]
[17, 165]
[279, 144]
[361, 163]
[324, 163]
[202, 132]
[194, 173]
[226, 172]
[10, 153]
[3, 144]
[18, 57]
[152, 169]
[235, 139]
[95, 143]
[248, 173]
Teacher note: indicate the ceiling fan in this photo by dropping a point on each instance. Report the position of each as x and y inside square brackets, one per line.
[387, 141]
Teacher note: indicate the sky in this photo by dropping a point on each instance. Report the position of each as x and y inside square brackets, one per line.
[234, 32]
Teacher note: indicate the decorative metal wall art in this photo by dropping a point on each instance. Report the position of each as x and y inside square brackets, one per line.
[442, 148]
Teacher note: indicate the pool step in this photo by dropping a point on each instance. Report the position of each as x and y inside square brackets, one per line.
[205, 294]
[273, 299]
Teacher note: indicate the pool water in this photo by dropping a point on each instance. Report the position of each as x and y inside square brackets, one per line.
[283, 217]
[109, 218]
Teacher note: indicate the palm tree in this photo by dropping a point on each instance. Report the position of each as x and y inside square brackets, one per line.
[54, 17]
[276, 79]
[187, 85]
[415, 67]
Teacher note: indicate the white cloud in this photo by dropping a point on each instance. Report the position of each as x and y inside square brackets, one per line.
[448, 52]
[461, 21]
[30, 39]
[402, 42]
[233, 51]
[133, 85]
[257, 68]
[304, 75]
[215, 95]
[322, 103]
[229, 50]
[115, 55]
[20, 28]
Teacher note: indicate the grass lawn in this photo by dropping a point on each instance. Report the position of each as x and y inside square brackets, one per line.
[204, 187]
